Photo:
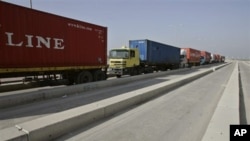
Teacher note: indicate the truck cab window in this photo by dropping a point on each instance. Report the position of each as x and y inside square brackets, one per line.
[119, 54]
[132, 53]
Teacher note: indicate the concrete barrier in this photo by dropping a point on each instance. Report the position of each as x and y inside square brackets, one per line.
[54, 125]
[9, 100]
[226, 112]
[13, 134]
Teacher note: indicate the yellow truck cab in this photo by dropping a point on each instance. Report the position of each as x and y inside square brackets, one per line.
[124, 61]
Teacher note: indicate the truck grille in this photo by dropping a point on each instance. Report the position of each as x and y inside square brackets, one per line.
[118, 63]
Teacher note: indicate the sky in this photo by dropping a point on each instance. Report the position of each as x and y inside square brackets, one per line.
[216, 26]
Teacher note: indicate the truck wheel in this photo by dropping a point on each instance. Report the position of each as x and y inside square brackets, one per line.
[84, 77]
[149, 70]
[118, 76]
[99, 75]
[133, 72]
[70, 77]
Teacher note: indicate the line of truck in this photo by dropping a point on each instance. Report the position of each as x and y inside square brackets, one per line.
[36, 43]
[146, 56]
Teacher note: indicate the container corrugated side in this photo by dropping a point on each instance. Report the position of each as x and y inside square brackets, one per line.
[153, 52]
[193, 55]
[31, 38]
[207, 55]
[142, 45]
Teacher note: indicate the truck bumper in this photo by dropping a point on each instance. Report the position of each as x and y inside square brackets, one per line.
[115, 71]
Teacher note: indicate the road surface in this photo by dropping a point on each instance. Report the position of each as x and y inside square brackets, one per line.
[182, 114]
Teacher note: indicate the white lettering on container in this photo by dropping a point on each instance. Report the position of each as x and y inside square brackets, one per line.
[43, 41]
[38, 42]
[58, 43]
[29, 42]
[10, 43]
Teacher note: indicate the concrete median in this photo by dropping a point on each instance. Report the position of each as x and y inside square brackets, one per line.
[227, 111]
[55, 125]
[9, 100]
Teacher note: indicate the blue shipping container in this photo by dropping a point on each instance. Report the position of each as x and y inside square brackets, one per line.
[154, 53]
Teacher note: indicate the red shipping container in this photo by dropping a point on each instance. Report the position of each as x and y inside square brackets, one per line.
[193, 55]
[35, 39]
[217, 57]
[206, 55]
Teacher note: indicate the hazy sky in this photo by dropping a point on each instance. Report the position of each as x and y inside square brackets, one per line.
[218, 26]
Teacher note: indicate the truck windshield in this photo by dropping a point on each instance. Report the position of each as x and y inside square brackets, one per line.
[119, 54]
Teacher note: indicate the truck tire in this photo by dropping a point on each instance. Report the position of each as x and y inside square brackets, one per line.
[84, 77]
[133, 71]
[118, 76]
[99, 75]
[71, 77]
[149, 70]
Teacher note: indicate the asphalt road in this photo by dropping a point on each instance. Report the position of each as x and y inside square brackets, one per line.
[15, 115]
[182, 114]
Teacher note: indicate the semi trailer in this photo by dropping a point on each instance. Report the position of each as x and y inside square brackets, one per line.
[205, 57]
[190, 57]
[215, 58]
[143, 56]
[39, 43]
